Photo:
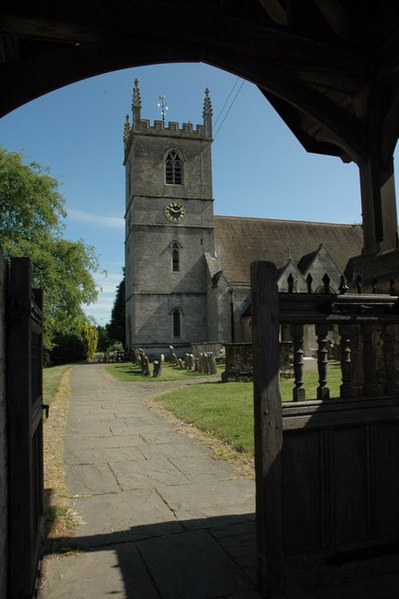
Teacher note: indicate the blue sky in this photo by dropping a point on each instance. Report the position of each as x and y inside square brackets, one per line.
[259, 168]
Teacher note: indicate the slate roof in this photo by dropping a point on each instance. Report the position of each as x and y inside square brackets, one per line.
[240, 241]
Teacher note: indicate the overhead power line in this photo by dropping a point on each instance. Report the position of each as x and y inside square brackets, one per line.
[231, 105]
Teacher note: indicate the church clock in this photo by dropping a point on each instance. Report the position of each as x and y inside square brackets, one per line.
[175, 212]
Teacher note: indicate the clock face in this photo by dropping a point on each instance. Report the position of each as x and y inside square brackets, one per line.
[175, 212]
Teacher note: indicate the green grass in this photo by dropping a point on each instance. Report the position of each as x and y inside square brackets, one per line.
[311, 384]
[51, 381]
[60, 520]
[225, 410]
[126, 371]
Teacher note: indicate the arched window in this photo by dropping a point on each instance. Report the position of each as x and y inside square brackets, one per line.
[173, 168]
[175, 256]
[176, 319]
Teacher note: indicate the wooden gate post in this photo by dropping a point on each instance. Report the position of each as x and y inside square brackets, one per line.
[25, 443]
[268, 429]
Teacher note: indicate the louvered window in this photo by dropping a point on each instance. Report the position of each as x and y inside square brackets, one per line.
[173, 168]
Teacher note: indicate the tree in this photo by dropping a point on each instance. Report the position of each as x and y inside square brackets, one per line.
[90, 340]
[103, 341]
[116, 326]
[31, 213]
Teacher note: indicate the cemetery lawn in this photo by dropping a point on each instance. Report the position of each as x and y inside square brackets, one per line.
[51, 381]
[126, 371]
[225, 410]
[60, 520]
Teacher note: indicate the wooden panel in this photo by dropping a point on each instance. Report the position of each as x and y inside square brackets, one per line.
[386, 459]
[301, 492]
[350, 485]
[336, 413]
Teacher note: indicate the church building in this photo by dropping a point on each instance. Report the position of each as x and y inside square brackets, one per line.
[187, 270]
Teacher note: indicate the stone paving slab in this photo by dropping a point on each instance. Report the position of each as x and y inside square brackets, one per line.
[120, 428]
[90, 479]
[81, 441]
[210, 500]
[103, 456]
[174, 448]
[192, 566]
[238, 541]
[150, 473]
[200, 469]
[128, 516]
[118, 572]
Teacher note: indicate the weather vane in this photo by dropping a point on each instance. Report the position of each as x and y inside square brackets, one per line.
[162, 106]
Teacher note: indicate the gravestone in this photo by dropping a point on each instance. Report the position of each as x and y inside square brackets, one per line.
[201, 362]
[212, 363]
[158, 366]
[175, 360]
[146, 365]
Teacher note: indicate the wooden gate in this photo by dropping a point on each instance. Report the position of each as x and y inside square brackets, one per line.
[327, 473]
[24, 407]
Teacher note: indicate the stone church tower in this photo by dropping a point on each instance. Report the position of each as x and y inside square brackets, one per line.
[169, 228]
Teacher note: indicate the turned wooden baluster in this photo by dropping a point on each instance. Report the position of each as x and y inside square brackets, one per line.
[392, 286]
[390, 387]
[298, 393]
[323, 391]
[346, 389]
[369, 366]
[359, 283]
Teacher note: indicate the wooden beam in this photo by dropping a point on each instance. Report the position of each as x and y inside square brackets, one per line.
[292, 119]
[268, 429]
[213, 26]
[276, 11]
[390, 130]
[335, 16]
[34, 76]
[349, 131]
[48, 30]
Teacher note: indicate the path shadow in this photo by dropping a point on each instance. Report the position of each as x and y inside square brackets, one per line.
[193, 559]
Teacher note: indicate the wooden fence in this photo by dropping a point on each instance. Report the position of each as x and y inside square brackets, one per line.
[327, 474]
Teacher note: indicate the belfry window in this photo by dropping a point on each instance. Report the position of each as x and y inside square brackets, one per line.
[173, 169]
[176, 318]
[175, 256]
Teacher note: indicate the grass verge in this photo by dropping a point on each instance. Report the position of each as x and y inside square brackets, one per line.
[128, 372]
[225, 411]
[60, 520]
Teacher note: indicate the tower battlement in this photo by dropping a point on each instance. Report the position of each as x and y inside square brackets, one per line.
[171, 128]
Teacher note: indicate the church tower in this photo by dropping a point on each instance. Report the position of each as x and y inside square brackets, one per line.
[169, 228]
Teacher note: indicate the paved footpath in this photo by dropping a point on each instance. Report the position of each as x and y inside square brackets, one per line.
[160, 516]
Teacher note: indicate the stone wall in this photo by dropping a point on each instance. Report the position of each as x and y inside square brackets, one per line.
[3, 439]
[214, 347]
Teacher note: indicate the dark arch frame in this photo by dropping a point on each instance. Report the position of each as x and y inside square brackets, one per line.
[329, 69]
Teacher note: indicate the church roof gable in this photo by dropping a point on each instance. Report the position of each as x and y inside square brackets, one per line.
[240, 241]
[298, 280]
